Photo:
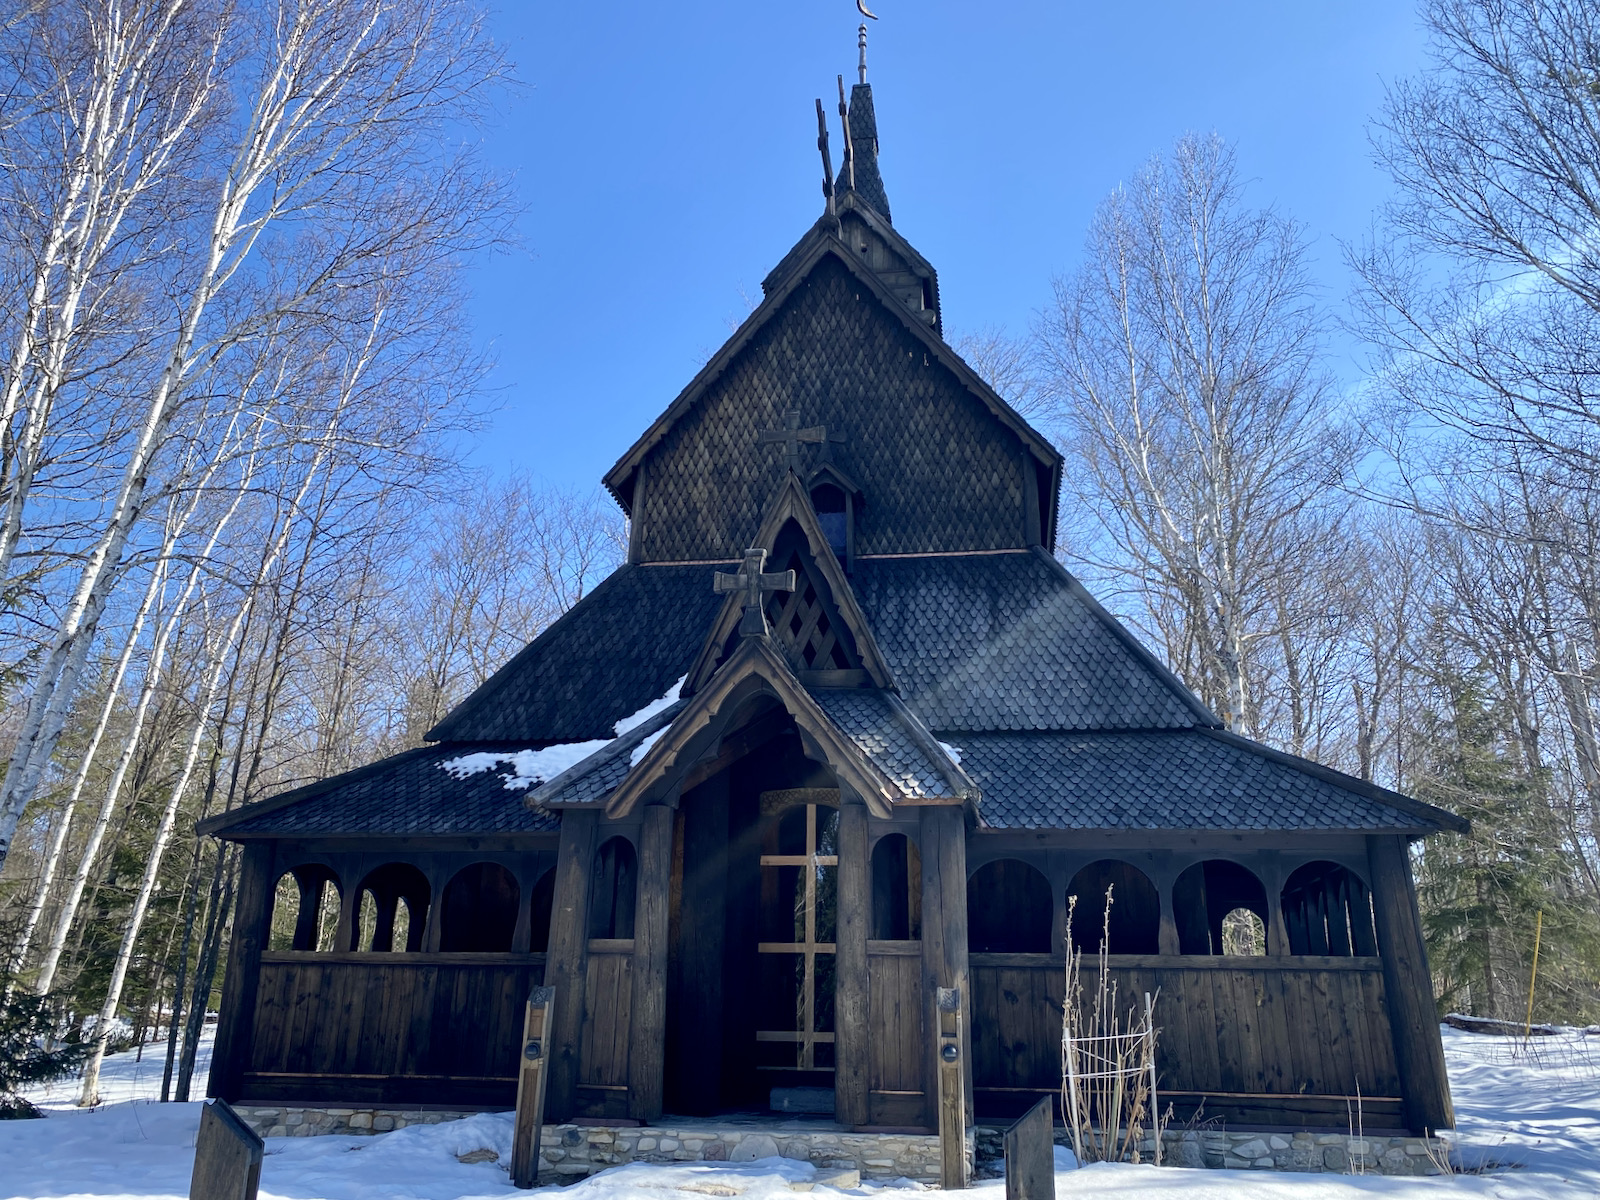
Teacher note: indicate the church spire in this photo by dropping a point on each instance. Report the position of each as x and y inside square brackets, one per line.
[862, 129]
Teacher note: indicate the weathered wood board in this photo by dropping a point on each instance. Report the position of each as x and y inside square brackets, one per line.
[227, 1156]
[1031, 1154]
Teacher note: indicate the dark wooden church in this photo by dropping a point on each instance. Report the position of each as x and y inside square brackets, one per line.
[841, 732]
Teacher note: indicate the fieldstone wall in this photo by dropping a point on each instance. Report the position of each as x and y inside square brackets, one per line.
[571, 1151]
[1333, 1153]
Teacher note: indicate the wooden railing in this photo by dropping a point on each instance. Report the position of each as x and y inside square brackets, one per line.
[1246, 1038]
[391, 1028]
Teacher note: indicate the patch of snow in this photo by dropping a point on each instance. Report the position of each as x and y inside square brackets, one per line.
[529, 768]
[953, 751]
[643, 747]
[1535, 1110]
[651, 709]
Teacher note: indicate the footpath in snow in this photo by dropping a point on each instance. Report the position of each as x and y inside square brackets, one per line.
[1538, 1112]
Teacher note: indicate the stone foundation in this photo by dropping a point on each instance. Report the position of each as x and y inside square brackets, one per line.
[573, 1151]
[1244, 1150]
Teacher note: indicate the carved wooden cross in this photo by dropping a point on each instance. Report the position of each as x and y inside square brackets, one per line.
[753, 582]
[791, 437]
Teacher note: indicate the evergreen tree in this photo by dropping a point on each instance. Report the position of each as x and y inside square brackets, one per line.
[31, 1049]
[1481, 892]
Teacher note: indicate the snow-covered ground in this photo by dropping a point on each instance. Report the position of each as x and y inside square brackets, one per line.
[1537, 1113]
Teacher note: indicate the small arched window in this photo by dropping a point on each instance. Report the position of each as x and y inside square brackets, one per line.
[1134, 915]
[1206, 896]
[614, 890]
[1327, 910]
[1008, 909]
[479, 912]
[541, 907]
[896, 889]
[305, 909]
[393, 913]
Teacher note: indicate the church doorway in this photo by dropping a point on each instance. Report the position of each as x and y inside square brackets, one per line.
[752, 917]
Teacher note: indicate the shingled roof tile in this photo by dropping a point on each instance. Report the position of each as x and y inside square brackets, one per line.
[1158, 780]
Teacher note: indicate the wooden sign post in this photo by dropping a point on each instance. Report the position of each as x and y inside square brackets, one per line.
[227, 1156]
[531, 1076]
[1031, 1154]
[952, 1093]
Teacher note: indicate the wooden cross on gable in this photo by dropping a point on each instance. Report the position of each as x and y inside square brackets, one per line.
[753, 582]
[791, 437]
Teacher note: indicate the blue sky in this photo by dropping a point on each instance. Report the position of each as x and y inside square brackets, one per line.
[665, 154]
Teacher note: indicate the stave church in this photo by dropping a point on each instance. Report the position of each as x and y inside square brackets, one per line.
[841, 732]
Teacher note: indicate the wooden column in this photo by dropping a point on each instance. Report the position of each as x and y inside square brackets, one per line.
[851, 1002]
[1408, 987]
[647, 1035]
[252, 924]
[944, 933]
[1165, 880]
[568, 962]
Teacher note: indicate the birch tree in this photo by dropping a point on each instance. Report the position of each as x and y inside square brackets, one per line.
[1183, 361]
[334, 178]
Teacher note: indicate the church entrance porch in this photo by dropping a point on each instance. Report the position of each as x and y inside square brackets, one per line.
[751, 930]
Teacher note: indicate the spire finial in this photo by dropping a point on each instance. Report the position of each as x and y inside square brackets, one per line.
[861, 44]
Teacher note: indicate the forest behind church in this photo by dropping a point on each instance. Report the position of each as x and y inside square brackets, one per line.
[241, 548]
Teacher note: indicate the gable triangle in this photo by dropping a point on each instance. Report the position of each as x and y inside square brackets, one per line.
[819, 626]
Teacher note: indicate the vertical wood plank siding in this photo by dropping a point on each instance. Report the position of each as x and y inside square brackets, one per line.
[391, 1028]
[1254, 1037]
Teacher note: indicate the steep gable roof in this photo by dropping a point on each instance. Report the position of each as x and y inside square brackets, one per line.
[617, 649]
[823, 244]
[1013, 641]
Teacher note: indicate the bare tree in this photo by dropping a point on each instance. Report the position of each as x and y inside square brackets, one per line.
[1183, 362]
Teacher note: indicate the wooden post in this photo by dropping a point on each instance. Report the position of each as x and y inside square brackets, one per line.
[944, 932]
[567, 965]
[851, 1000]
[227, 1156]
[252, 924]
[1408, 988]
[1031, 1154]
[952, 1093]
[647, 1037]
[531, 1078]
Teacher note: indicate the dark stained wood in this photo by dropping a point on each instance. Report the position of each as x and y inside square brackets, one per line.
[1414, 1026]
[1224, 1028]
[531, 1079]
[369, 1027]
[648, 1034]
[567, 967]
[227, 1156]
[1031, 1154]
[944, 926]
[897, 1049]
[607, 1021]
[952, 1091]
[252, 925]
[851, 997]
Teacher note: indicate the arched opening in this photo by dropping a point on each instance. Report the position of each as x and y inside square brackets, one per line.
[1008, 909]
[305, 909]
[479, 912]
[613, 890]
[833, 514]
[1135, 909]
[541, 906]
[1244, 933]
[1203, 899]
[1327, 910]
[394, 909]
[896, 889]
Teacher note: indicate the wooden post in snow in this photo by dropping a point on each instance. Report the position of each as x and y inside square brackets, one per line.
[1031, 1154]
[227, 1156]
[531, 1076]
